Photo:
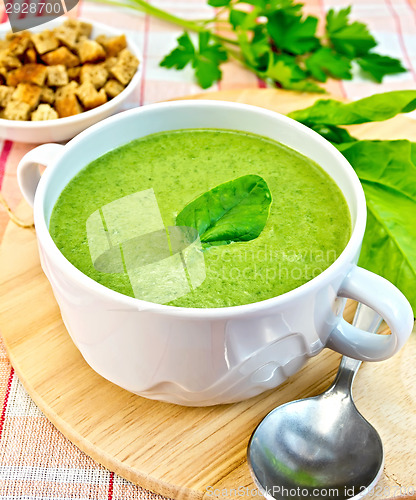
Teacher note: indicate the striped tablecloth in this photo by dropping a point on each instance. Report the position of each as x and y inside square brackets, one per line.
[36, 461]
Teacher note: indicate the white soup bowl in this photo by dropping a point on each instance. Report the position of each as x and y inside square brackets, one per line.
[194, 356]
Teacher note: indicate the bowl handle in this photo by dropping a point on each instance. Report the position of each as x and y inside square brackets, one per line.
[28, 174]
[384, 298]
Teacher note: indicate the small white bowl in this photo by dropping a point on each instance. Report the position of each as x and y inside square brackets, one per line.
[63, 129]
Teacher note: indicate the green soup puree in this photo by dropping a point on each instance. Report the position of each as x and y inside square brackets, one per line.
[308, 227]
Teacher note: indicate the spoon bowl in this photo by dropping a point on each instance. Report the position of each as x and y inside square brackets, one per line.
[322, 446]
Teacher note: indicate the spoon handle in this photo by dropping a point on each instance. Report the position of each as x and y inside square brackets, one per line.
[368, 320]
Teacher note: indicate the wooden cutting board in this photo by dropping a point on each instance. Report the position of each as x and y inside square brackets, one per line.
[186, 453]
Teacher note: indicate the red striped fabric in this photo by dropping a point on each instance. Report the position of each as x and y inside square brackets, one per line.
[6, 401]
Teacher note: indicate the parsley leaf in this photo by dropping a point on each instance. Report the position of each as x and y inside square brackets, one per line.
[296, 73]
[326, 62]
[284, 71]
[255, 51]
[351, 39]
[206, 60]
[378, 66]
[269, 6]
[182, 55]
[219, 3]
[259, 45]
[292, 33]
[274, 40]
[240, 20]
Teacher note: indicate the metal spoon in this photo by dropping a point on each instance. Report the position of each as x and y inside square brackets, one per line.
[319, 447]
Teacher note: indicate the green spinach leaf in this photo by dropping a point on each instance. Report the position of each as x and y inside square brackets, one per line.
[233, 211]
[375, 108]
[385, 163]
[388, 246]
[337, 135]
[387, 172]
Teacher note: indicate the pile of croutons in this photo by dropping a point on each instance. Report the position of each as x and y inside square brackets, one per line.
[61, 72]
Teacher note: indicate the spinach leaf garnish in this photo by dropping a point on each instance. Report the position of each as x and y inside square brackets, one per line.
[234, 211]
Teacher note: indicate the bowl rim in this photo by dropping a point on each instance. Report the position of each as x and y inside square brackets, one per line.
[91, 113]
[344, 261]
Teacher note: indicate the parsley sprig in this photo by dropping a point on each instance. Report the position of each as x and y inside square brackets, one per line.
[276, 41]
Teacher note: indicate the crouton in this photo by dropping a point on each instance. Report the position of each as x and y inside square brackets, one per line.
[94, 73]
[89, 96]
[44, 112]
[74, 73]
[5, 95]
[67, 105]
[101, 39]
[70, 88]
[3, 75]
[83, 29]
[113, 45]
[125, 67]
[45, 41]
[67, 35]
[61, 56]
[19, 43]
[17, 110]
[113, 88]
[90, 51]
[66, 102]
[30, 55]
[8, 61]
[31, 73]
[57, 76]
[47, 95]
[28, 93]
[109, 62]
